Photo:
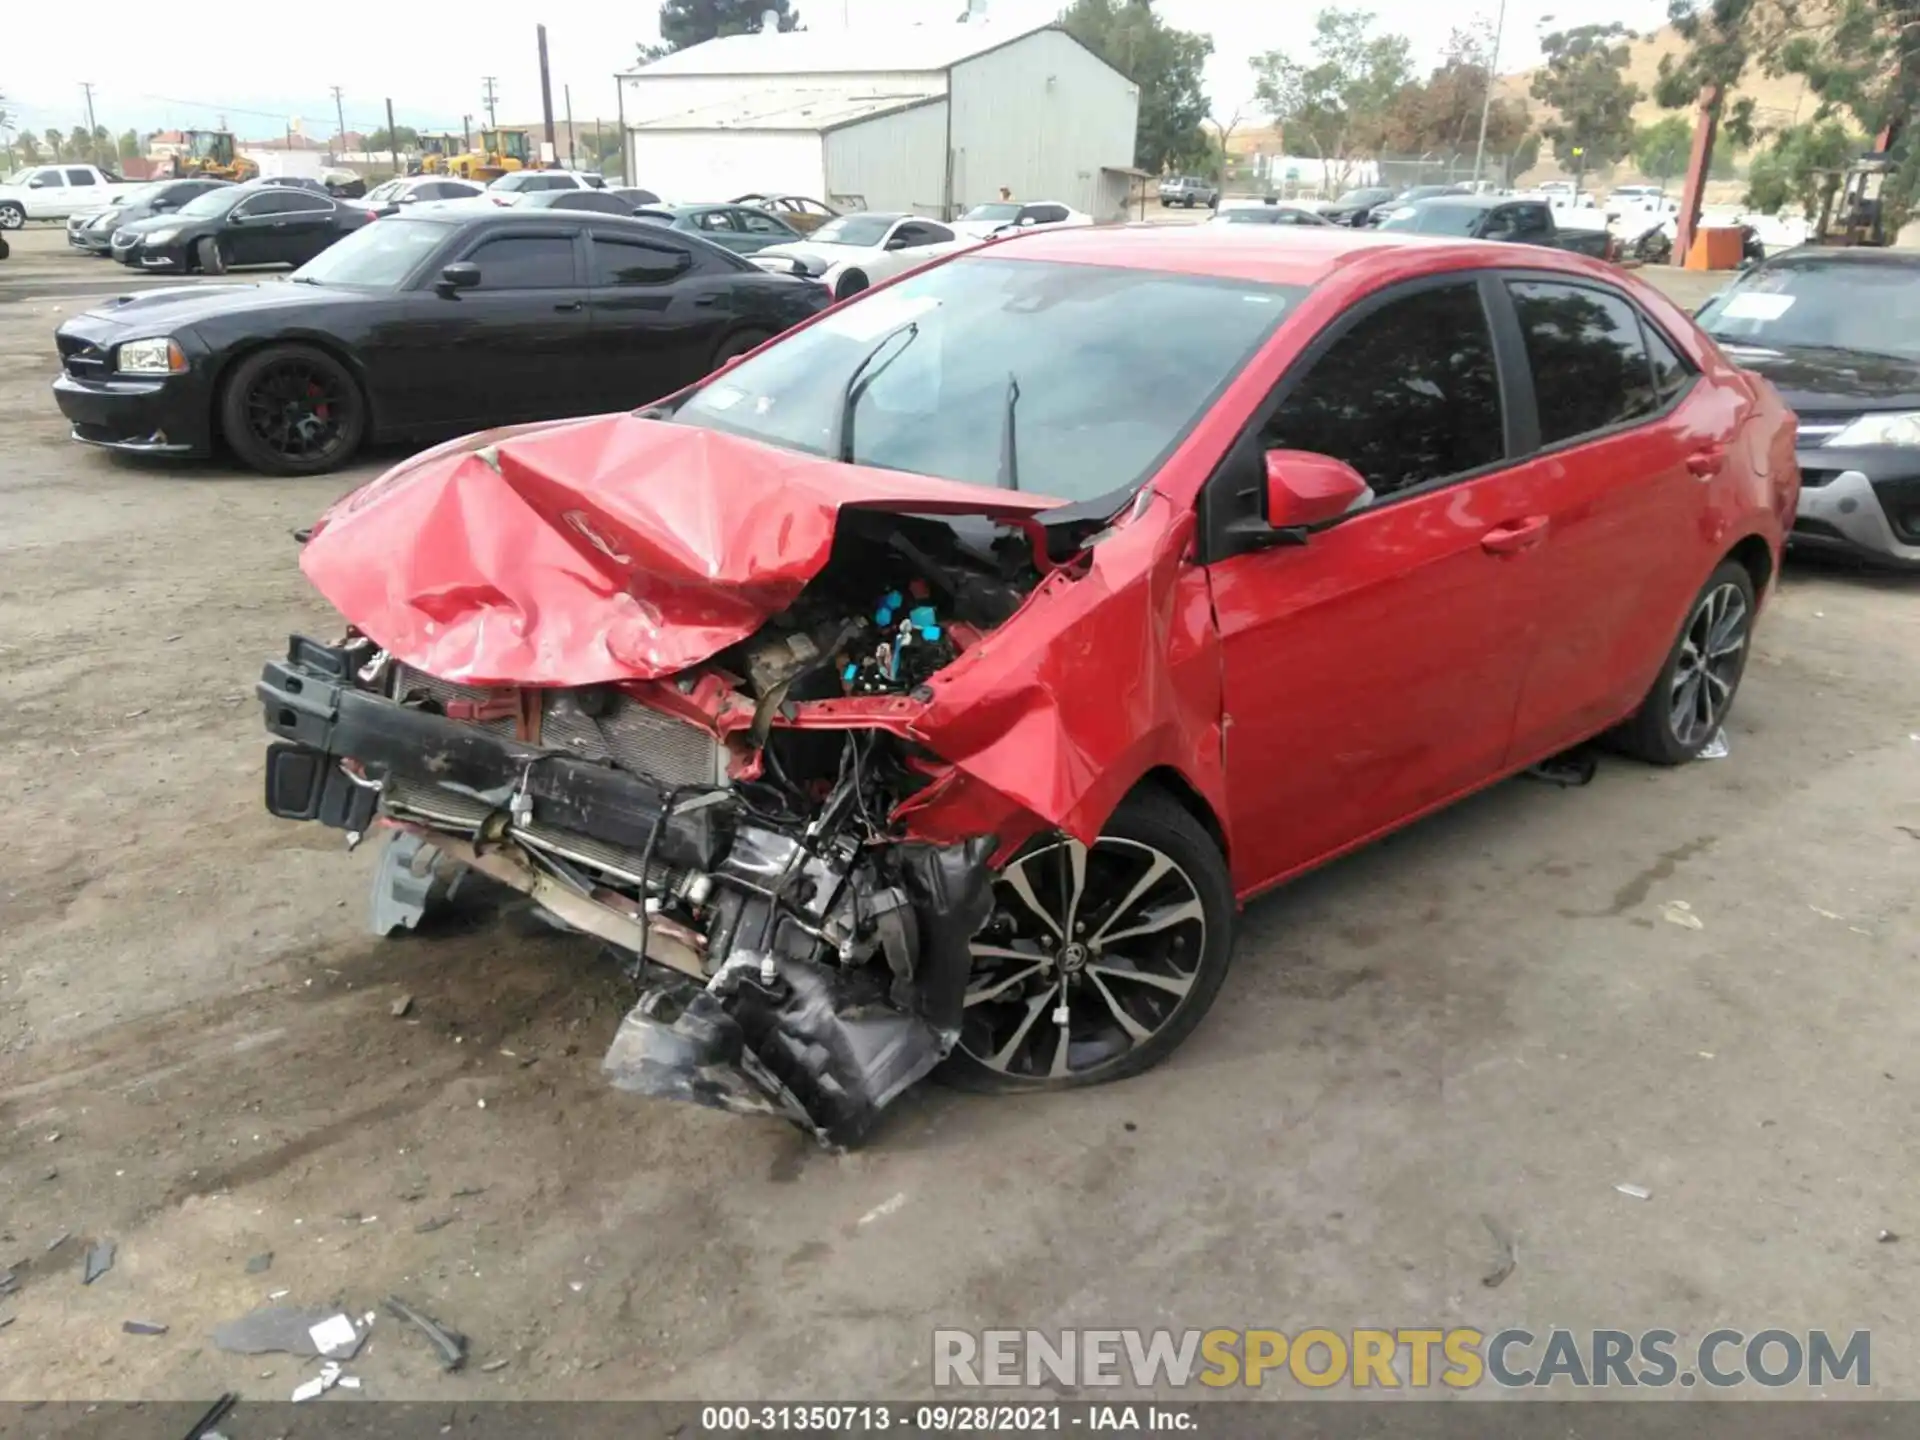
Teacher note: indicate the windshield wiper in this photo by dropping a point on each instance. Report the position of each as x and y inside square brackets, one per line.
[858, 383]
[303, 280]
[1009, 450]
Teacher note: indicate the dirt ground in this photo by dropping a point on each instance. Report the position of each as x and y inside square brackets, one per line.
[1488, 1017]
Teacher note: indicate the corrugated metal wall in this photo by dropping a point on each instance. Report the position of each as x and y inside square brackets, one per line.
[1042, 115]
[892, 162]
[692, 166]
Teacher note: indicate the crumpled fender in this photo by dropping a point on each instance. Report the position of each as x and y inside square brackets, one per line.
[598, 550]
[1104, 675]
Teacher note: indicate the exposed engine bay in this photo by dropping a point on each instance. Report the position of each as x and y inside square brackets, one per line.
[733, 825]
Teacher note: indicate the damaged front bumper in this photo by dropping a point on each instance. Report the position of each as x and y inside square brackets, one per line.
[808, 970]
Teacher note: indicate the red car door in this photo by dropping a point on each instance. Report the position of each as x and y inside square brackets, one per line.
[1372, 671]
[1631, 440]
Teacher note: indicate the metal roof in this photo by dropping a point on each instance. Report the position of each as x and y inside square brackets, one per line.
[915, 49]
[802, 110]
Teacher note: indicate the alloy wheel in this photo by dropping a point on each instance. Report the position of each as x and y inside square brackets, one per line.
[298, 410]
[12, 217]
[1089, 953]
[1708, 666]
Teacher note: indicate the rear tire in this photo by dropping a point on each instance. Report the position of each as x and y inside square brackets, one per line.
[292, 410]
[208, 255]
[1154, 878]
[1695, 690]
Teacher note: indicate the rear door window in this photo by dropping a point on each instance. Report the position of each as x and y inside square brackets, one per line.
[619, 262]
[80, 177]
[1591, 370]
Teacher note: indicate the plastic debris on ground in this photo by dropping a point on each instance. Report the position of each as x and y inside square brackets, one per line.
[260, 1264]
[289, 1330]
[335, 1335]
[1567, 769]
[1716, 748]
[1679, 912]
[142, 1327]
[1887, 1237]
[328, 1377]
[1637, 1192]
[451, 1344]
[99, 1261]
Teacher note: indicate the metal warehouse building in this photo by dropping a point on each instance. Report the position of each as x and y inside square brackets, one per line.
[932, 119]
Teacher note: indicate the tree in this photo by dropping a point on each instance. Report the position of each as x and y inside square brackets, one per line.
[690, 22]
[1167, 64]
[1720, 36]
[1583, 81]
[1802, 166]
[56, 143]
[1661, 149]
[1442, 113]
[80, 144]
[1339, 100]
[129, 145]
[407, 137]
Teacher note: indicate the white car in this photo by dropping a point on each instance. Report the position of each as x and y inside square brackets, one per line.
[855, 251]
[53, 192]
[1003, 217]
[509, 188]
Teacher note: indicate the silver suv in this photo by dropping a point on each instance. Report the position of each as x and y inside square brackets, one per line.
[1188, 191]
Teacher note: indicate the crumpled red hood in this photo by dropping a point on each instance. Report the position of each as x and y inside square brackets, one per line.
[590, 551]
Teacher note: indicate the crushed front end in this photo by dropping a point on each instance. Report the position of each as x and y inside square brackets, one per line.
[742, 823]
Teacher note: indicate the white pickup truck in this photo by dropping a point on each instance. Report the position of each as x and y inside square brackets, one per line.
[53, 192]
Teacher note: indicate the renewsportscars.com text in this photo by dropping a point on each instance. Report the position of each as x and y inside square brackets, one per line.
[1416, 1359]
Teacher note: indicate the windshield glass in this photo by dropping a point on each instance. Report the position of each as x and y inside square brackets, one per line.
[1364, 197]
[378, 256]
[1101, 370]
[993, 212]
[853, 230]
[1844, 305]
[386, 191]
[1430, 218]
[214, 202]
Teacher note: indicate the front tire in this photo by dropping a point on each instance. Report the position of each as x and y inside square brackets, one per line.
[1694, 692]
[851, 284]
[13, 216]
[1133, 935]
[292, 410]
[208, 255]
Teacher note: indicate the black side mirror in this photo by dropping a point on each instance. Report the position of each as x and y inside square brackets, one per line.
[898, 242]
[463, 275]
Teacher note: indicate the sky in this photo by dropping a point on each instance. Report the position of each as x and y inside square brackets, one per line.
[151, 70]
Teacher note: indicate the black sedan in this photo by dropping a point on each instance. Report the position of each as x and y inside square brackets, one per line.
[452, 317]
[1838, 333]
[252, 224]
[93, 231]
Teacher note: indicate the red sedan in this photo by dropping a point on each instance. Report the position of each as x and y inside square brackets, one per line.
[930, 687]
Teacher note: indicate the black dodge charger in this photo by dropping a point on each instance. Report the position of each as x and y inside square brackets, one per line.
[444, 320]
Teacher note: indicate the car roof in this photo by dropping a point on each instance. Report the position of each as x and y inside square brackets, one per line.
[1306, 256]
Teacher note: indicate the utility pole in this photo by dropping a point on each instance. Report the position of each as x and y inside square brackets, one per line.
[393, 140]
[466, 132]
[1486, 100]
[491, 93]
[87, 85]
[567, 90]
[340, 115]
[546, 95]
